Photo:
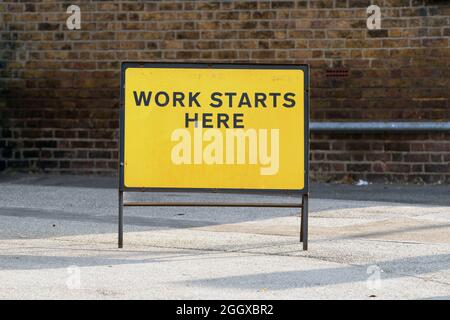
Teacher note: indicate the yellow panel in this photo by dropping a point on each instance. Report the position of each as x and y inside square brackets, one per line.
[160, 152]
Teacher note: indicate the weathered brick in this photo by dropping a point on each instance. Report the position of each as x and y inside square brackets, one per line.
[358, 167]
[44, 26]
[62, 98]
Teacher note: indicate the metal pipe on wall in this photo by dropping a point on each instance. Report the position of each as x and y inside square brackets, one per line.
[363, 127]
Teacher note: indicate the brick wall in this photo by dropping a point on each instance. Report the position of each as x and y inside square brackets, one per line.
[59, 88]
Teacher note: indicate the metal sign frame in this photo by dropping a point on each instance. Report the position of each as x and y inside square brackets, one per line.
[304, 193]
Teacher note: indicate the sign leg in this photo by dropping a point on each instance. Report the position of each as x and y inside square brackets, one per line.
[302, 212]
[120, 219]
[304, 223]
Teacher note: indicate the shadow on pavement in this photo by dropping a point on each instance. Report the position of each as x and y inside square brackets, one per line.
[391, 269]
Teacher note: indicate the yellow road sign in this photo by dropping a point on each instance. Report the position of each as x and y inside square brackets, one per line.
[220, 126]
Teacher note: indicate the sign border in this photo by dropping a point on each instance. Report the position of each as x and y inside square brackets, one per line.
[125, 65]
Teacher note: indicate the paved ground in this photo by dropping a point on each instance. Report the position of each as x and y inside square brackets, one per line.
[58, 240]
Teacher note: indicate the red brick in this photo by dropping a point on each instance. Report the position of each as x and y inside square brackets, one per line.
[63, 85]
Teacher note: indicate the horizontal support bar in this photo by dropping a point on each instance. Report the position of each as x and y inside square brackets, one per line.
[380, 126]
[265, 192]
[212, 204]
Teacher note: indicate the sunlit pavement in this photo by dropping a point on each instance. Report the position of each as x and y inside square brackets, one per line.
[59, 241]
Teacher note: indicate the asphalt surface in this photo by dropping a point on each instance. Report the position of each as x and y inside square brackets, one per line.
[59, 241]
